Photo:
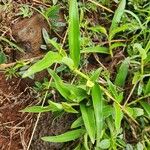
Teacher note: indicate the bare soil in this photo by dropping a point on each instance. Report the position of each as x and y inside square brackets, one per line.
[16, 93]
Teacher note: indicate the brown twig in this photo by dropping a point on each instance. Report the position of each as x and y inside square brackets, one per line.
[39, 2]
[98, 4]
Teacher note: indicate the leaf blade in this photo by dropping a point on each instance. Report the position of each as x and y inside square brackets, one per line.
[98, 109]
[122, 73]
[74, 32]
[65, 137]
[47, 61]
[89, 121]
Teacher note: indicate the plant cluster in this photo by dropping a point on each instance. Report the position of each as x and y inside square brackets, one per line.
[112, 111]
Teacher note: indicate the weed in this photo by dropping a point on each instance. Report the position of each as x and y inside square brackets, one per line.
[25, 11]
[111, 107]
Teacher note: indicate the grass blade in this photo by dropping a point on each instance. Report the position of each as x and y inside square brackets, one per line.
[98, 109]
[68, 136]
[89, 121]
[74, 32]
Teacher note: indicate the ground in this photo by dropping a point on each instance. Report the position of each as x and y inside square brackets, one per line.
[16, 93]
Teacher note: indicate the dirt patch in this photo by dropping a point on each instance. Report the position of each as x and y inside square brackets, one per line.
[15, 127]
[16, 94]
[48, 126]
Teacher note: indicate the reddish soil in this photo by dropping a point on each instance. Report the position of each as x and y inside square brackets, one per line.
[15, 127]
[16, 93]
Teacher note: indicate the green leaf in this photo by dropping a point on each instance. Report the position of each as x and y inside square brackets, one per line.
[55, 106]
[86, 141]
[135, 16]
[114, 92]
[118, 14]
[52, 12]
[141, 50]
[77, 123]
[45, 36]
[122, 28]
[36, 109]
[78, 147]
[140, 146]
[95, 75]
[146, 107]
[115, 45]
[69, 62]
[118, 117]
[89, 121]
[104, 144]
[49, 59]
[147, 89]
[147, 48]
[135, 112]
[74, 32]
[122, 73]
[65, 137]
[96, 49]
[78, 94]
[98, 109]
[57, 46]
[63, 90]
[68, 91]
[107, 111]
[39, 109]
[3, 58]
[137, 76]
[98, 29]
[68, 108]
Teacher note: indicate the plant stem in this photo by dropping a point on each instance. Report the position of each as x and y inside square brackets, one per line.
[81, 74]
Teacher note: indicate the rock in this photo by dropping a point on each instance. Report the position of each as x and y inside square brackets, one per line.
[28, 34]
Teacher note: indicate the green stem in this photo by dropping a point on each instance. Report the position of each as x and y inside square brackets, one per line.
[142, 66]
[81, 74]
[139, 99]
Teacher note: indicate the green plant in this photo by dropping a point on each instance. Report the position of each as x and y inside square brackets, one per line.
[105, 110]
[25, 11]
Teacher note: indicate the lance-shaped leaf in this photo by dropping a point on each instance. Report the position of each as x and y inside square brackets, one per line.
[118, 14]
[49, 59]
[89, 121]
[68, 91]
[96, 49]
[98, 109]
[146, 107]
[74, 32]
[65, 137]
[122, 73]
[77, 123]
[39, 109]
[118, 117]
